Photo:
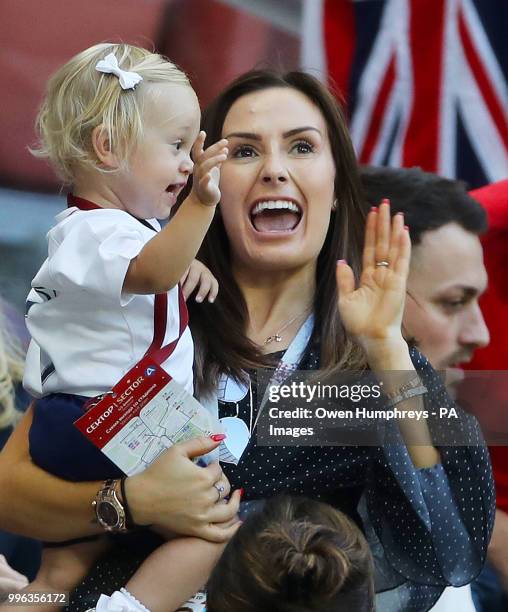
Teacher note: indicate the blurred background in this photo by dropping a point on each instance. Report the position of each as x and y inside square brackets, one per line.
[424, 81]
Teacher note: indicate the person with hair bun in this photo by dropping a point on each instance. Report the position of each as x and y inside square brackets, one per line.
[294, 555]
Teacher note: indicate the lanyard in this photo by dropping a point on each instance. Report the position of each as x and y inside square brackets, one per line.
[156, 351]
[288, 364]
[233, 447]
[75, 202]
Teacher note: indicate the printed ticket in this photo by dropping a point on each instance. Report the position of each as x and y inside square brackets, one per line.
[143, 415]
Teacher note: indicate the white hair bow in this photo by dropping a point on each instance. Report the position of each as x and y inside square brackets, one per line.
[128, 80]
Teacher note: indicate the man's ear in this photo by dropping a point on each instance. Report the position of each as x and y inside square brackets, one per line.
[102, 147]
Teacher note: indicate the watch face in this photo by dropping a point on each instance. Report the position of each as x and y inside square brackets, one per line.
[107, 513]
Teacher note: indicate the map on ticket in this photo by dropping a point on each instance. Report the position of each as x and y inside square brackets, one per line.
[143, 415]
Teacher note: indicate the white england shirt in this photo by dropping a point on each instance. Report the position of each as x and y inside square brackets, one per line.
[86, 333]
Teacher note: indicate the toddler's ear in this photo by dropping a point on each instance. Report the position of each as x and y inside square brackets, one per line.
[102, 148]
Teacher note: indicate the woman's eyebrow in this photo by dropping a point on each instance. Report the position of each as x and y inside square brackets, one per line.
[247, 135]
[300, 129]
[288, 134]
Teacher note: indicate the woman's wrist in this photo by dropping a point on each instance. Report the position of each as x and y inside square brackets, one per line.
[136, 500]
[390, 353]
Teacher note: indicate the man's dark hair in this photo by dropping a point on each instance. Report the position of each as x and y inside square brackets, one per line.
[427, 200]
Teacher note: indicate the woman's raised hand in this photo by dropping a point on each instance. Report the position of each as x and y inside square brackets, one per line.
[206, 173]
[372, 312]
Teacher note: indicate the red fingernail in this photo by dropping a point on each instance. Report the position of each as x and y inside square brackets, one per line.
[218, 437]
[373, 209]
[406, 227]
[385, 201]
[341, 261]
[241, 492]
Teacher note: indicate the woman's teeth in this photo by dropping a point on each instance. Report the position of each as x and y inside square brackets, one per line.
[275, 216]
[275, 205]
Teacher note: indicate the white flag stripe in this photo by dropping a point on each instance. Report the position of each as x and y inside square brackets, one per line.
[405, 83]
[484, 50]
[480, 127]
[390, 118]
[447, 149]
[313, 51]
[372, 78]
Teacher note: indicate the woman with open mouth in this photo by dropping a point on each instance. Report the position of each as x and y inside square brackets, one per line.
[308, 283]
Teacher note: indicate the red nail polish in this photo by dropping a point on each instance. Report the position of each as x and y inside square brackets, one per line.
[373, 209]
[385, 201]
[218, 437]
[406, 227]
[242, 490]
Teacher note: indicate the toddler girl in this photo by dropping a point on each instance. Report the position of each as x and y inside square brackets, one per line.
[118, 124]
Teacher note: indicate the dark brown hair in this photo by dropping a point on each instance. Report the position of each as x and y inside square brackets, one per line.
[219, 328]
[427, 200]
[294, 555]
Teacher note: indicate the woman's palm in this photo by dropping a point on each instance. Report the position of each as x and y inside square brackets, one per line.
[373, 310]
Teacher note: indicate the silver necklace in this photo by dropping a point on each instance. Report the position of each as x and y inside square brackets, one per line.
[276, 337]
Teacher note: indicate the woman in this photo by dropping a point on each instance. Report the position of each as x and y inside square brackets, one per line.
[288, 143]
[290, 151]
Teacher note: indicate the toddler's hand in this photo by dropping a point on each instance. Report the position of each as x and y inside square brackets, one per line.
[206, 174]
[198, 275]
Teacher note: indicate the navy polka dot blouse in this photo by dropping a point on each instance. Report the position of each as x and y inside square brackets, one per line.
[428, 528]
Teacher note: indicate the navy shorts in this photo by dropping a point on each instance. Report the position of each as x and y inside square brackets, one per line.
[58, 447]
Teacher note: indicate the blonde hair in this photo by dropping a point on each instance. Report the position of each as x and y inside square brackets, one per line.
[79, 98]
[11, 372]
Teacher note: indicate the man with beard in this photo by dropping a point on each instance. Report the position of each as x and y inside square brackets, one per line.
[447, 276]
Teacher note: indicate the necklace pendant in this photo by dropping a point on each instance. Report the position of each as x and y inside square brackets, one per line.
[274, 338]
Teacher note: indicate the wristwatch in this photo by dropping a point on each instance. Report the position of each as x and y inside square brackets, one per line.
[109, 509]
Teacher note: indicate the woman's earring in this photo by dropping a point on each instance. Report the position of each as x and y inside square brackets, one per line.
[334, 204]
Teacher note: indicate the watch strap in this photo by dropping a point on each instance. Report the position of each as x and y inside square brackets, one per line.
[129, 523]
[108, 494]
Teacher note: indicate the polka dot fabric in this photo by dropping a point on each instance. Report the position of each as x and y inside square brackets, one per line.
[433, 525]
[427, 528]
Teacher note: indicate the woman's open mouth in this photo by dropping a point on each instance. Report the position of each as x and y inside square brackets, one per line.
[273, 216]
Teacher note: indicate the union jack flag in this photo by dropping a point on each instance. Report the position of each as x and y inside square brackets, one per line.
[425, 81]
